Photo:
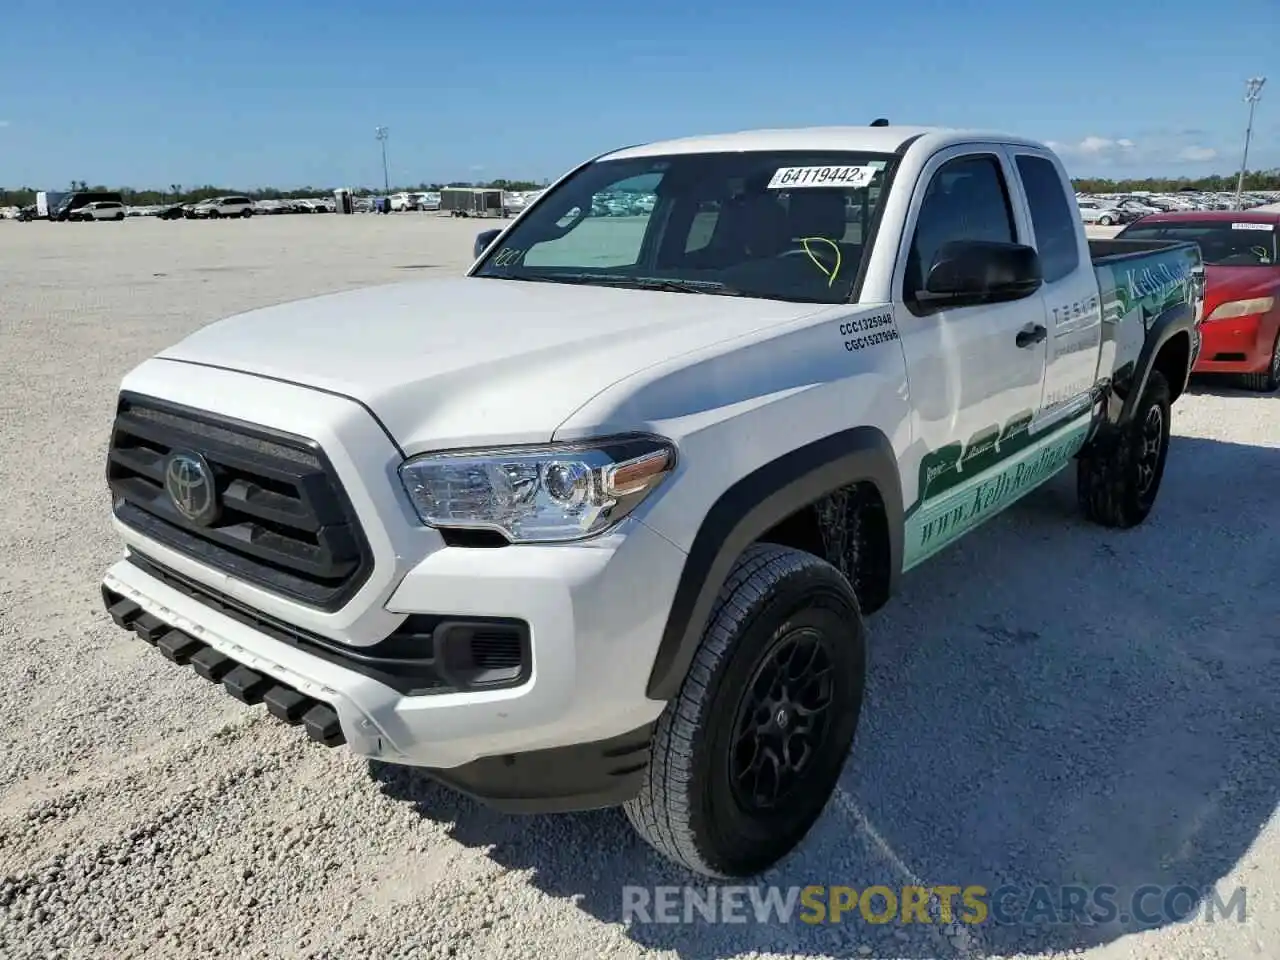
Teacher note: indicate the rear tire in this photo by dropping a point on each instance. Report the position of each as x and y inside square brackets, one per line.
[1118, 476]
[1106, 221]
[1269, 381]
[748, 753]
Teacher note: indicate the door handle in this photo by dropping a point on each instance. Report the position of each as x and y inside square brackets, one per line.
[1031, 335]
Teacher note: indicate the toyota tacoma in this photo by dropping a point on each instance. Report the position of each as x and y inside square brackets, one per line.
[600, 522]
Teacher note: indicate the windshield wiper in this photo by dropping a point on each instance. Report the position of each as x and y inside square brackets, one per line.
[635, 283]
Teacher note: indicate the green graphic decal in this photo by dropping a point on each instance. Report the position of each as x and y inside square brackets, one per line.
[1162, 281]
[955, 463]
[978, 496]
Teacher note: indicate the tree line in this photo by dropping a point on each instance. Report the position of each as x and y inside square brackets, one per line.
[1256, 180]
[177, 193]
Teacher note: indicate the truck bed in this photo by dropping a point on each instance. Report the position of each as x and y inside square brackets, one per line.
[1146, 287]
[1110, 251]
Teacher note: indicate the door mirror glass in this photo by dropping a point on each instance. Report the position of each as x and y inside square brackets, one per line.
[968, 273]
[483, 239]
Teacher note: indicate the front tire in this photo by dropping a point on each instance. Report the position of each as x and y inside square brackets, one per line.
[1106, 221]
[1269, 381]
[1118, 476]
[748, 753]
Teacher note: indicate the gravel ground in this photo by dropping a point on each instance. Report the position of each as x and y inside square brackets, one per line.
[1049, 702]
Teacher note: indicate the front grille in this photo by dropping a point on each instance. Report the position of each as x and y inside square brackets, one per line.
[285, 524]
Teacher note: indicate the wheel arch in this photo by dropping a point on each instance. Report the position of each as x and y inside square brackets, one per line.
[759, 503]
[1167, 348]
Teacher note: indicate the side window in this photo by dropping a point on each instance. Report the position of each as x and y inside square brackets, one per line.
[967, 199]
[611, 234]
[1051, 216]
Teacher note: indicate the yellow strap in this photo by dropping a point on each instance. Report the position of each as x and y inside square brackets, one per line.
[834, 272]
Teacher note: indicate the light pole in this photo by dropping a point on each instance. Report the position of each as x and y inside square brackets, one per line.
[381, 133]
[1252, 94]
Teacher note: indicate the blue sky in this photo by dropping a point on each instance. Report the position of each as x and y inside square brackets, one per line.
[287, 92]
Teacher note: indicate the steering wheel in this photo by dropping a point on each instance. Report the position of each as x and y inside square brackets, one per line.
[822, 252]
[1262, 253]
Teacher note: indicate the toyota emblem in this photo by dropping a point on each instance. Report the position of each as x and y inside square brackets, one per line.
[189, 482]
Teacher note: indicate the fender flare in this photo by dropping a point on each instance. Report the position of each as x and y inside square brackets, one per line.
[751, 507]
[1178, 319]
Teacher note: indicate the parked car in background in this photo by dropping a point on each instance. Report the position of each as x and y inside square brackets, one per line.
[69, 204]
[273, 207]
[99, 210]
[222, 207]
[1103, 216]
[173, 211]
[1241, 328]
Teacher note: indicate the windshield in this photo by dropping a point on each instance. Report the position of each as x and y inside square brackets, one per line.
[782, 225]
[1223, 243]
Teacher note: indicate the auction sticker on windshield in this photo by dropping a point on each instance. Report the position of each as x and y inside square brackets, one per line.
[790, 178]
[1268, 227]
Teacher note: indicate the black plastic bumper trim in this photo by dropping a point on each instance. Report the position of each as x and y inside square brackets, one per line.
[587, 776]
[322, 726]
[287, 704]
[212, 665]
[404, 661]
[149, 627]
[179, 647]
[245, 684]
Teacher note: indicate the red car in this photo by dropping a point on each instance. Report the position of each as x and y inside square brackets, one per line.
[1242, 288]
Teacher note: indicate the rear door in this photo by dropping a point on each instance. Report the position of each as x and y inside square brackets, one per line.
[1072, 309]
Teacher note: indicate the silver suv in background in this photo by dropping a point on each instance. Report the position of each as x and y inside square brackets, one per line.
[221, 207]
[100, 210]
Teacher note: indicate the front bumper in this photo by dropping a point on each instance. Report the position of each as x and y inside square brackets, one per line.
[1241, 345]
[573, 734]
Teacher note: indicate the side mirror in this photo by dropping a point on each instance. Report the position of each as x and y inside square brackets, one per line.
[967, 273]
[483, 240]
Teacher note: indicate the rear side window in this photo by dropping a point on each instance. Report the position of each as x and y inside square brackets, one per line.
[1055, 225]
[967, 199]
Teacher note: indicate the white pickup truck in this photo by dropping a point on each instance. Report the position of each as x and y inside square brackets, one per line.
[600, 522]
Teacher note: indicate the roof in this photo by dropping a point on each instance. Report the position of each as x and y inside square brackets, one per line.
[1229, 216]
[862, 139]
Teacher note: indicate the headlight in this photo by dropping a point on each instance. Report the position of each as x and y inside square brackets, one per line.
[1242, 308]
[556, 492]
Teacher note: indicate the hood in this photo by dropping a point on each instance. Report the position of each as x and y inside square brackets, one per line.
[1223, 284]
[468, 361]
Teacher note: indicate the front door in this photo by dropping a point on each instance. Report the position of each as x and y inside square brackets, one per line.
[976, 374]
